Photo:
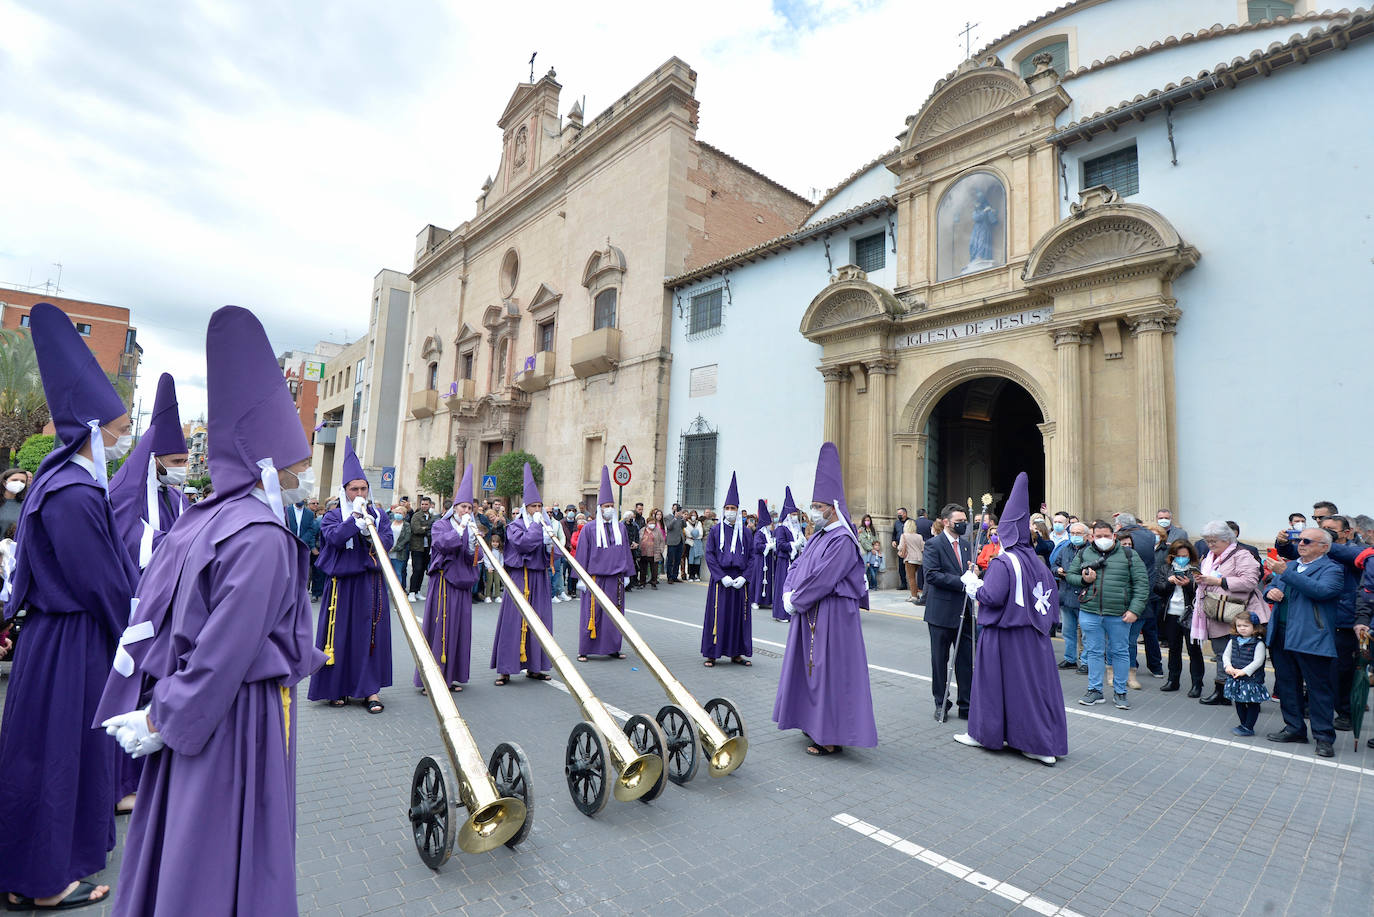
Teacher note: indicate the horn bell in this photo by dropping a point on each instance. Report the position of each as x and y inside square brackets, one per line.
[638, 777]
[729, 756]
[492, 825]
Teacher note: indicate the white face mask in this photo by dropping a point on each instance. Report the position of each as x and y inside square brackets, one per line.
[608, 513]
[121, 448]
[1104, 544]
[816, 516]
[14, 486]
[173, 477]
[1165, 522]
[305, 483]
[731, 515]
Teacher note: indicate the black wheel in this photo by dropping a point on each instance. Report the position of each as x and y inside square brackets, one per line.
[510, 769]
[726, 716]
[433, 812]
[585, 767]
[647, 738]
[684, 747]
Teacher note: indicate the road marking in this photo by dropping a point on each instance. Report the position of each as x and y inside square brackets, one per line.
[954, 868]
[1149, 727]
[611, 708]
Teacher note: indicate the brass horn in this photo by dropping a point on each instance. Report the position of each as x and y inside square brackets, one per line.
[496, 816]
[638, 773]
[718, 726]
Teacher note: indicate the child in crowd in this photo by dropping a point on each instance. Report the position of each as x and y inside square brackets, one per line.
[490, 562]
[1243, 662]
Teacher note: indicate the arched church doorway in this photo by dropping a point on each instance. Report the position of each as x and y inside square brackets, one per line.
[981, 434]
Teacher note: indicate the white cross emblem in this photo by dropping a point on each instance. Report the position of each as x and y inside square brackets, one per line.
[1042, 599]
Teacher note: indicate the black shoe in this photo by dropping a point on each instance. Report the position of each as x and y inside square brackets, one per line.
[1195, 690]
[1324, 749]
[1283, 735]
[1170, 685]
[1215, 699]
[949, 705]
[1082, 669]
[1065, 664]
[1342, 722]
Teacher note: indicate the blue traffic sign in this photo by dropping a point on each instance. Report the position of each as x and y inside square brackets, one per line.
[489, 482]
[389, 477]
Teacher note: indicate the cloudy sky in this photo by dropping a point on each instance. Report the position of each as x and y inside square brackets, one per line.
[177, 155]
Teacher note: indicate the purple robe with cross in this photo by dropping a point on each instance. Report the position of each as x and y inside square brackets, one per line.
[448, 603]
[824, 689]
[355, 613]
[597, 634]
[727, 629]
[527, 562]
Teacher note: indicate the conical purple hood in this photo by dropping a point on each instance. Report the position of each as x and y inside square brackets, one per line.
[165, 428]
[732, 495]
[764, 518]
[352, 468]
[829, 487]
[604, 495]
[76, 387]
[251, 413]
[531, 489]
[788, 506]
[464, 492]
[1014, 526]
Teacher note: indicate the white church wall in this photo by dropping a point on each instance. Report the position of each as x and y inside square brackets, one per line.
[875, 182]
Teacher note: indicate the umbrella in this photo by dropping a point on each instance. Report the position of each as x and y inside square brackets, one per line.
[1359, 690]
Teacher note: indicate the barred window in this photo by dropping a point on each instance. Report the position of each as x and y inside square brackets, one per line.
[1118, 170]
[870, 252]
[698, 480]
[706, 311]
[1260, 10]
[604, 312]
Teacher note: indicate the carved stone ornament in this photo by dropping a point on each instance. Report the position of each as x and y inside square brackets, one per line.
[522, 145]
[1103, 231]
[432, 347]
[849, 272]
[969, 96]
[1042, 61]
[846, 308]
[1096, 196]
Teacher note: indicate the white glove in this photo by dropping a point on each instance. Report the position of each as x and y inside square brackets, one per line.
[359, 505]
[548, 538]
[361, 523]
[728, 582]
[625, 581]
[130, 730]
[787, 605]
[971, 583]
[581, 587]
[739, 582]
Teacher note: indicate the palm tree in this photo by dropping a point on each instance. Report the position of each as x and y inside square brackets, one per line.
[23, 406]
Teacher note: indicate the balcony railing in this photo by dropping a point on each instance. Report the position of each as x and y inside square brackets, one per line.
[595, 352]
[537, 372]
[424, 403]
[458, 392]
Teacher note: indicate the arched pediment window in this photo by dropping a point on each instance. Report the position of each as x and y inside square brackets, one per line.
[971, 226]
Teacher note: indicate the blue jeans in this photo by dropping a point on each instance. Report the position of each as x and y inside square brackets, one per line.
[1115, 632]
[399, 565]
[1068, 619]
[557, 575]
[1146, 624]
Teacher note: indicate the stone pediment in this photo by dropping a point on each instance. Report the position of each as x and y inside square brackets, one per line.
[1104, 233]
[849, 305]
[465, 333]
[973, 93]
[545, 298]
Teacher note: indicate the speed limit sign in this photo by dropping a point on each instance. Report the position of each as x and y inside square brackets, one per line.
[622, 475]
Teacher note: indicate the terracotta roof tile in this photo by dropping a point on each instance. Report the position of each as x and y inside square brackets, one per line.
[831, 192]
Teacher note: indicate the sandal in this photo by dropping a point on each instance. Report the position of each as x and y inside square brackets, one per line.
[341, 702]
[740, 660]
[502, 681]
[538, 676]
[455, 687]
[80, 897]
[821, 751]
[709, 663]
[581, 658]
[619, 656]
[375, 706]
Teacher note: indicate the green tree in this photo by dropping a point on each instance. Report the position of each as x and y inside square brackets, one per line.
[34, 450]
[437, 476]
[510, 475]
[199, 483]
[23, 406]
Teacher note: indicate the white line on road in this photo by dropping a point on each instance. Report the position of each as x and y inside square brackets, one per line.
[954, 868]
[1119, 721]
[612, 709]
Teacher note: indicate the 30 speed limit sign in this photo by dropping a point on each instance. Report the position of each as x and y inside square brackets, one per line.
[621, 475]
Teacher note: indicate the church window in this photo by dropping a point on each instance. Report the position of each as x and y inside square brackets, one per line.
[1118, 170]
[697, 466]
[432, 379]
[706, 311]
[467, 361]
[510, 273]
[1058, 52]
[1259, 10]
[971, 226]
[870, 252]
[545, 332]
[604, 312]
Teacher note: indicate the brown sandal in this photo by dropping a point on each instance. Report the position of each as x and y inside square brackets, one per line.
[709, 663]
[502, 681]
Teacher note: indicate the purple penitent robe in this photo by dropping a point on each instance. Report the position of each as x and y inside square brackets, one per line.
[214, 831]
[782, 562]
[824, 689]
[448, 603]
[759, 575]
[76, 580]
[527, 562]
[355, 614]
[597, 634]
[1017, 700]
[727, 629]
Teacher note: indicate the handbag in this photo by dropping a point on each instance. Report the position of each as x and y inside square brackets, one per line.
[1222, 609]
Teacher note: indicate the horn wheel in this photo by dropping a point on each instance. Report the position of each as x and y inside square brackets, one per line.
[647, 738]
[726, 716]
[433, 812]
[684, 747]
[585, 767]
[510, 770]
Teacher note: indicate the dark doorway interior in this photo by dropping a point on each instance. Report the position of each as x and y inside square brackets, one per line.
[981, 435]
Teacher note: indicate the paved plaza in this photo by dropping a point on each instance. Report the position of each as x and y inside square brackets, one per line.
[1157, 810]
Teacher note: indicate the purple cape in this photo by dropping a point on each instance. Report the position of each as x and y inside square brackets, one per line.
[448, 603]
[824, 689]
[226, 598]
[597, 634]
[1017, 699]
[527, 562]
[354, 628]
[57, 811]
[727, 629]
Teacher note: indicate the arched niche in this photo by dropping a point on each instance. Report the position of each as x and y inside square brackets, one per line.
[971, 226]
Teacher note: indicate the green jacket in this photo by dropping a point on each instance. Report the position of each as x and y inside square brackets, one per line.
[1122, 584]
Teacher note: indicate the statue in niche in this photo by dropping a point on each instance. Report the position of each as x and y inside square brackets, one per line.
[980, 240]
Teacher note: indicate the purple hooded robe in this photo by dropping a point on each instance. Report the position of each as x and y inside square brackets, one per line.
[782, 555]
[1017, 699]
[609, 565]
[448, 603]
[75, 578]
[527, 562]
[824, 689]
[727, 629]
[354, 629]
[225, 601]
[760, 574]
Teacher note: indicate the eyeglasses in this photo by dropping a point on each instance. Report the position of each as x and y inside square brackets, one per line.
[1307, 540]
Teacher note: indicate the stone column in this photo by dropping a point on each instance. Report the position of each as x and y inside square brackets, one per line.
[834, 391]
[1152, 412]
[878, 437]
[1066, 459]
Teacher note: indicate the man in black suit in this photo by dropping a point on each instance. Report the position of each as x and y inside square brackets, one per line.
[946, 558]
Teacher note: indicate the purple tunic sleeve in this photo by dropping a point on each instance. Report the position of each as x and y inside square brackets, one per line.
[820, 573]
[97, 578]
[713, 552]
[995, 592]
[336, 530]
[248, 593]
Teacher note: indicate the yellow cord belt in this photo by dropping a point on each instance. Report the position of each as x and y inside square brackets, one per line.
[591, 616]
[329, 631]
[715, 621]
[286, 711]
[443, 626]
[525, 625]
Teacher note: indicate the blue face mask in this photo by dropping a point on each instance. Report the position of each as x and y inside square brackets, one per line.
[398, 516]
[1180, 563]
[1076, 540]
[1058, 527]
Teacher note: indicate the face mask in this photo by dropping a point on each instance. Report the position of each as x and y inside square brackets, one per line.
[817, 517]
[1104, 544]
[173, 477]
[1180, 563]
[960, 528]
[1165, 523]
[1058, 527]
[398, 516]
[1077, 540]
[731, 515]
[608, 513]
[120, 448]
[305, 482]
[992, 538]
[14, 486]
